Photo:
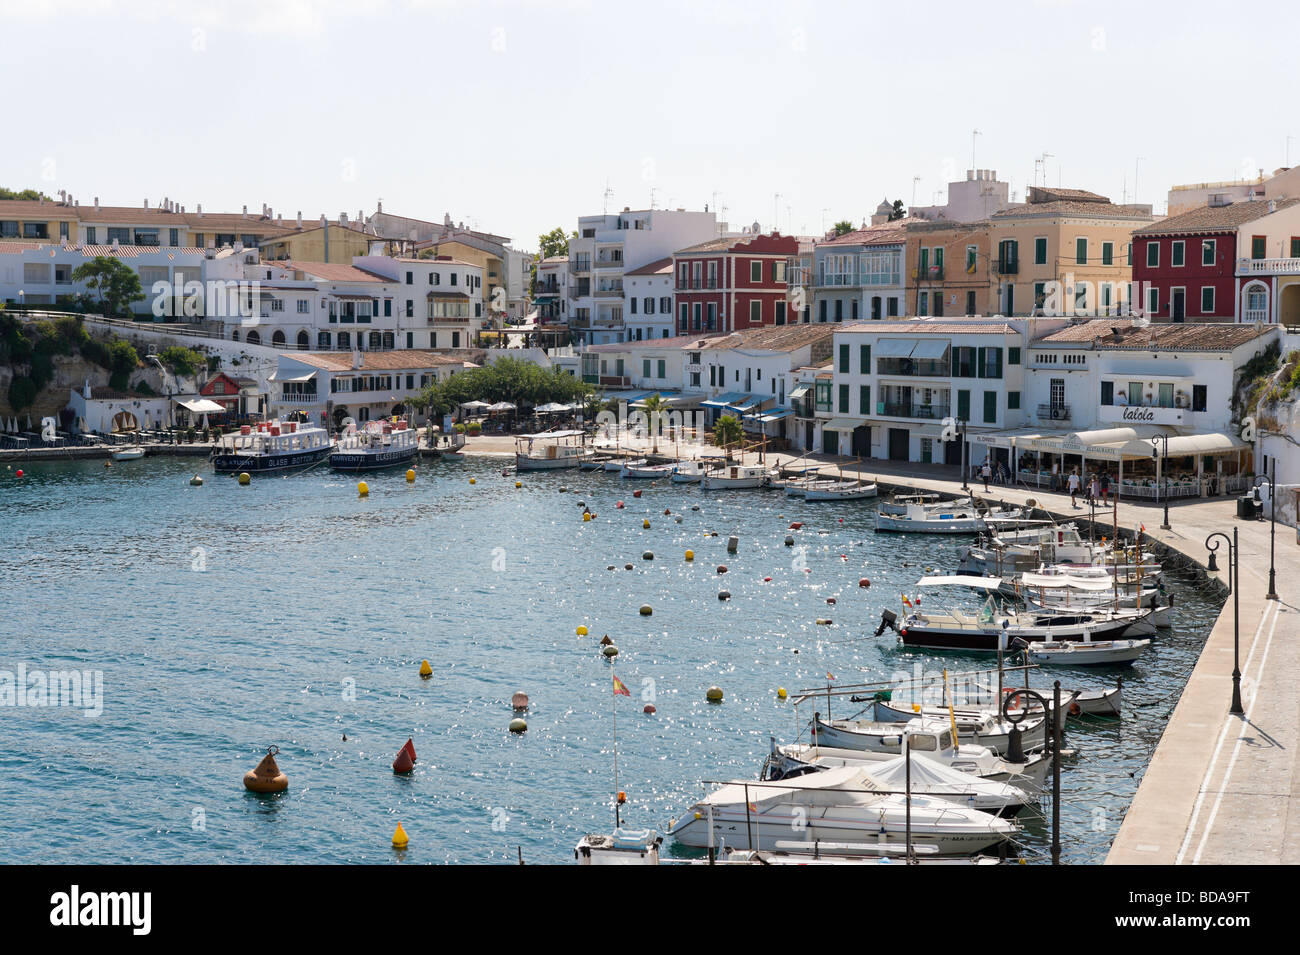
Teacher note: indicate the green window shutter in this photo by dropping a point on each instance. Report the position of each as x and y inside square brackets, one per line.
[1081, 251]
[645, 368]
[864, 399]
[864, 359]
[844, 359]
[938, 258]
[844, 399]
[1257, 247]
[662, 369]
[1040, 251]
[963, 405]
[1295, 248]
[1108, 253]
[1176, 253]
[925, 263]
[1013, 356]
[990, 407]
[997, 364]
[1013, 401]
[979, 362]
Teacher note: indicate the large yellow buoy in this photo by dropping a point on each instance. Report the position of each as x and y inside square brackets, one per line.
[363, 489]
[519, 484]
[690, 555]
[586, 516]
[473, 481]
[713, 694]
[582, 630]
[517, 725]
[780, 693]
[426, 671]
[400, 838]
[266, 777]
[245, 478]
[410, 475]
[645, 525]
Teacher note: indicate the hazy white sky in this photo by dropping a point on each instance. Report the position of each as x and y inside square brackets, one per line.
[513, 116]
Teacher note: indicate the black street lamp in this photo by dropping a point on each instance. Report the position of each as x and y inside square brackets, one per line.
[1272, 531]
[961, 429]
[1164, 472]
[1233, 569]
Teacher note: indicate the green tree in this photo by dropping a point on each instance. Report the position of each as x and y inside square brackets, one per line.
[842, 227]
[553, 243]
[654, 406]
[727, 433]
[116, 284]
[123, 359]
[30, 195]
[898, 211]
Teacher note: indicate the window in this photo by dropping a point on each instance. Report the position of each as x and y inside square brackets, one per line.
[1207, 299]
[1081, 251]
[989, 363]
[1040, 251]
[821, 310]
[648, 306]
[410, 278]
[662, 369]
[864, 359]
[645, 368]
[1153, 255]
[1199, 394]
[1153, 300]
[844, 399]
[1176, 253]
[780, 312]
[972, 257]
[1108, 253]
[711, 316]
[1295, 247]
[323, 341]
[1013, 401]
[1108, 392]
[963, 405]
[923, 303]
[633, 311]
[1013, 356]
[685, 316]
[304, 306]
[1208, 251]
[844, 359]
[1257, 246]
[839, 310]
[665, 305]
[864, 399]
[756, 312]
[755, 272]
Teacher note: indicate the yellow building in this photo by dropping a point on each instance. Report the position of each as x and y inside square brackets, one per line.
[494, 268]
[333, 243]
[1065, 251]
[42, 220]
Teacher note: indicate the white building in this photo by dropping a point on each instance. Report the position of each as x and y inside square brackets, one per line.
[607, 246]
[649, 292]
[439, 302]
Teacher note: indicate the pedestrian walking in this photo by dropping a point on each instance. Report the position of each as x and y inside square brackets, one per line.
[1105, 488]
[986, 473]
[1072, 483]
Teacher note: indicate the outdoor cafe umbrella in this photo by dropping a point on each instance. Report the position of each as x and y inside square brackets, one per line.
[551, 408]
[475, 405]
[501, 406]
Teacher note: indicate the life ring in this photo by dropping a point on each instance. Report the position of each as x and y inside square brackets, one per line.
[1013, 698]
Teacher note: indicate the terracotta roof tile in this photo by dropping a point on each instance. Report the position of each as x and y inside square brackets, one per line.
[1114, 333]
[399, 360]
[925, 326]
[1213, 218]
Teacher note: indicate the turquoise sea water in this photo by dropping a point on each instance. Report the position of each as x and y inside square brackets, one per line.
[313, 609]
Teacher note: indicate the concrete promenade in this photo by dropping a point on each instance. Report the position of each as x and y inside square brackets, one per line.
[1220, 789]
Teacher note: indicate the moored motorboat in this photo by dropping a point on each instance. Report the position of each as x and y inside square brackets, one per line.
[132, 453]
[646, 471]
[841, 491]
[735, 476]
[550, 450]
[375, 445]
[624, 847]
[1090, 654]
[886, 737]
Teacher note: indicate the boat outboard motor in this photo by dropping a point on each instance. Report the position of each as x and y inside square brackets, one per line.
[887, 619]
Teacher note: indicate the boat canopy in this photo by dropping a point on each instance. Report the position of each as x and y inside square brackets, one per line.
[722, 401]
[1065, 580]
[961, 580]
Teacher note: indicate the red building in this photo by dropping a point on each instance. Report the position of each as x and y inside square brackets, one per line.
[1189, 267]
[728, 285]
[225, 391]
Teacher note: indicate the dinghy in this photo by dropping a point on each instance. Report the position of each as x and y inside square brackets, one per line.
[1093, 654]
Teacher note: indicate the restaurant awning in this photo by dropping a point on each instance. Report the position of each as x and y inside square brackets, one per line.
[722, 401]
[276, 376]
[1002, 439]
[775, 414]
[749, 402]
[800, 391]
[840, 424]
[685, 399]
[200, 405]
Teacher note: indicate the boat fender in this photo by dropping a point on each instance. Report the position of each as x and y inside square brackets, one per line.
[1075, 709]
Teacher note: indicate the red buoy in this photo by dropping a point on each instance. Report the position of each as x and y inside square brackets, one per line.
[405, 761]
[864, 582]
[648, 708]
[409, 749]
[796, 525]
[636, 493]
[619, 505]
[19, 472]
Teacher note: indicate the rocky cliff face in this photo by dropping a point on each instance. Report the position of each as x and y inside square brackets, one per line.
[1278, 415]
[69, 373]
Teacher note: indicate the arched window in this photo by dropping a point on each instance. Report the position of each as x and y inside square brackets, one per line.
[234, 336]
[323, 341]
[304, 342]
[253, 338]
[345, 341]
[1255, 300]
[277, 338]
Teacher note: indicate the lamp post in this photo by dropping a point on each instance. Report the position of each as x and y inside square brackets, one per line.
[1233, 568]
[961, 429]
[1272, 531]
[1164, 472]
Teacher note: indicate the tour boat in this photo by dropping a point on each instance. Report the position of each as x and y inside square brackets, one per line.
[735, 476]
[549, 450]
[930, 739]
[1088, 654]
[271, 446]
[132, 453]
[834, 806]
[375, 445]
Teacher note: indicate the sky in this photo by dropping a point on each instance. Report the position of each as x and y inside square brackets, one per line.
[515, 116]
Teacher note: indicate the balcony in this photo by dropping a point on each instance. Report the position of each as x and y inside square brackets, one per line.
[616, 292]
[607, 263]
[913, 368]
[578, 265]
[298, 399]
[1054, 412]
[1008, 266]
[928, 273]
[689, 285]
[912, 410]
[1268, 266]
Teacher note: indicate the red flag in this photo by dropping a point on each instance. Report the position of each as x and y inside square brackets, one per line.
[619, 688]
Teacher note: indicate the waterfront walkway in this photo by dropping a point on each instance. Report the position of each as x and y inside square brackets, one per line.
[1220, 789]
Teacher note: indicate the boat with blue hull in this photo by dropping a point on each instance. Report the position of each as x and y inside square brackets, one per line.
[379, 444]
[271, 446]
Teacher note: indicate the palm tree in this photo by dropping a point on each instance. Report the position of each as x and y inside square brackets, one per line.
[727, 431]
[653, 407]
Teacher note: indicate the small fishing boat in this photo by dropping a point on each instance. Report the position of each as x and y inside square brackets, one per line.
[689, 472]
[835, 806]
[132, 453]
[735, 476]
[550, 450]
[624, 847]
[986, 729]
[591, 463]
[1099, 653]
[955, 518]
[841, 491]
[899, 503]
[271, 446]
[375, 445]
[646, 471]
[618, 464]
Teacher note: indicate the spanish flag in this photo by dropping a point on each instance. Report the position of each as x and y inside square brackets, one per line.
[906, 602]
[620, 689]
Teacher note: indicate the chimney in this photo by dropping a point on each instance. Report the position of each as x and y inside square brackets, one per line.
[199, 207]
[97, 203]
[299, 218]
[343, 218]
[379, 206]
[146, 203]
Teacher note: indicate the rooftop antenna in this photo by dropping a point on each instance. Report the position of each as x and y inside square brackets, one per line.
[776, 212]
[652, 197]
[609, 194]
[915, 180]
[1041, 163]
[973, 134]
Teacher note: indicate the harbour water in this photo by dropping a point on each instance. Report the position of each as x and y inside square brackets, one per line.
[291, 612]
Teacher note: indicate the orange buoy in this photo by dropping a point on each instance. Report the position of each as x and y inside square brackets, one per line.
[405, 761]
[636, 493]
[648, 708]
[267, 777]
[864, 582]
[796, 525]
[619, 505]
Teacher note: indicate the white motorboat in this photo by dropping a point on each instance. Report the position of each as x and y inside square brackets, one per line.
[624, 847]
[841, 491]
[835, 806]
[550, 450]
[947, 519]
[886, 737]
[618, 464]
[646, 471]
[1091, 654]
[689, 472]
[131, 453]
[899, 503]
[735, 476]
